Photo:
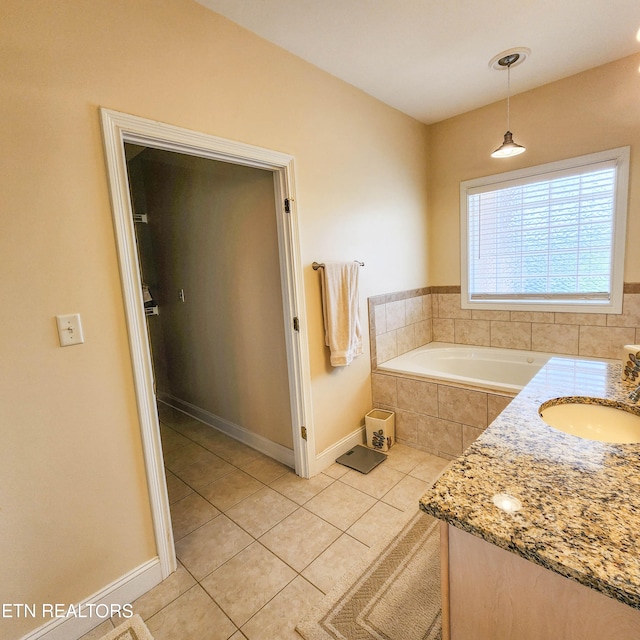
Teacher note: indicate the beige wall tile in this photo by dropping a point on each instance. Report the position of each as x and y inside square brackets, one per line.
[427, 306]
[595, 319]
[532, 316]
[555, 338]
[384, 389]
[449, 306]
[418, 396]
[443, 330]
[630, 316]
[380, 318]
[414, 310]
[511, 335]
[435, 307]
[495, 405]
[406, 339]
[440, 435]
[476, 332]
[396, 314]
[386, 347]
[469, 435]
[424, 332]
[407, 426]
[462, 405]
[604, 342]
[481, 314]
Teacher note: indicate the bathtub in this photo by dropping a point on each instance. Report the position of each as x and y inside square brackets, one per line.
[506, 370]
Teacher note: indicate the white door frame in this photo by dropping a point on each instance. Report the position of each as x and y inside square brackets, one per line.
[119, 128]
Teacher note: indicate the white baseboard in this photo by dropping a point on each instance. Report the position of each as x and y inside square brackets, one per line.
[328, 456]
[121, 592]
[253, 440]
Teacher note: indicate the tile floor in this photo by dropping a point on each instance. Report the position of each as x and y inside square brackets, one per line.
[257, 545]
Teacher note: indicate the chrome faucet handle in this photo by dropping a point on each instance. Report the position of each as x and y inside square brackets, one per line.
[634, 396]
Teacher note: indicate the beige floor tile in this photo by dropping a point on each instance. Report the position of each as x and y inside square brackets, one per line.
[331, 565]
[300, 538]
[336, 470]
[172, 439]
[97, 632]
[196, 466]
[430, 468]
[278, 619]
[176, 488]
[377, 524]
[236, 453]
[375, 483]
[187, 426]
[210, 546]
[406, 494]
[340, 504]
[193, 616]
[190, 513]
[231, 489]
[171, 588]
[261, 511]
[244, 584]
[404, 458]
[265, 469]
[238, 635]
[298, 489]
[171, 416]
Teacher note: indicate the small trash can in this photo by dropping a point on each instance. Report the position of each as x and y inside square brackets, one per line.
[381, 429]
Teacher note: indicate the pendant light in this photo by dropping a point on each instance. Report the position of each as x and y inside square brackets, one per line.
[506, 60]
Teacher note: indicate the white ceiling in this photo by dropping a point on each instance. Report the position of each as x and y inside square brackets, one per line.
[430, 58]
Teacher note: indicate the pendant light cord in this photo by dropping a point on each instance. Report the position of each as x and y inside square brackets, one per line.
[508, 96]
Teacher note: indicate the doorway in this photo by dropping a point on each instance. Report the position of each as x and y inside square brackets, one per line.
[119, 129]
[208, 254]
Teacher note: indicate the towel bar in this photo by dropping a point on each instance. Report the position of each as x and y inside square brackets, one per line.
[320, 265]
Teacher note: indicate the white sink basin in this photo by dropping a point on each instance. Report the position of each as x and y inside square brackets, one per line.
[606, 421]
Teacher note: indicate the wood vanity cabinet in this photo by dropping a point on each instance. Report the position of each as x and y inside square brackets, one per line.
[492, 594]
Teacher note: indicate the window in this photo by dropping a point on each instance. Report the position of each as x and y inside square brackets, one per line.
[547, 238]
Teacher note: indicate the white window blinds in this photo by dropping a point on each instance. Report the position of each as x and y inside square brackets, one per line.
[545, 235]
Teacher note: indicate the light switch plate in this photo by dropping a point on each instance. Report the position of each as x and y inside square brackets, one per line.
[70, 329]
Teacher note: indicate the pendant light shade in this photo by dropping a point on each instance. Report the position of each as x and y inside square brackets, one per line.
[508, 147]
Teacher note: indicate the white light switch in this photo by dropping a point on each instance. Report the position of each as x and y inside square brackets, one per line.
[70, 329]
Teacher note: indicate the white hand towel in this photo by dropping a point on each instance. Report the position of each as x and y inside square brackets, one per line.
[340, 310]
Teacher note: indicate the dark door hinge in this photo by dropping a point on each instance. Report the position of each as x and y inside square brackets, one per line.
[296, 324]
[287, 205]
[303, 432]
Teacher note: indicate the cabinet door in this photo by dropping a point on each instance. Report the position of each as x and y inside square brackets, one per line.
[496, 595]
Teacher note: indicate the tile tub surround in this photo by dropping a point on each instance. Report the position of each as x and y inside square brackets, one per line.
[446, 418]
[441, 419]
[596, 335]
[581, 498]
[404, 320]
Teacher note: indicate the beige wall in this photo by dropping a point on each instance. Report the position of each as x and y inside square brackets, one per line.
[74, 512]
[214, 235]
[592, 111]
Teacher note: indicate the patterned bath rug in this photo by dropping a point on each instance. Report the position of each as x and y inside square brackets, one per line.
[396, 597]
[131, 629]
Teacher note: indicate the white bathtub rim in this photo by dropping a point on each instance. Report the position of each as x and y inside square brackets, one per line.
[392, 367]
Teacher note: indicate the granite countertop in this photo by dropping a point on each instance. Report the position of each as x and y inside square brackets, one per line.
[580, 498]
